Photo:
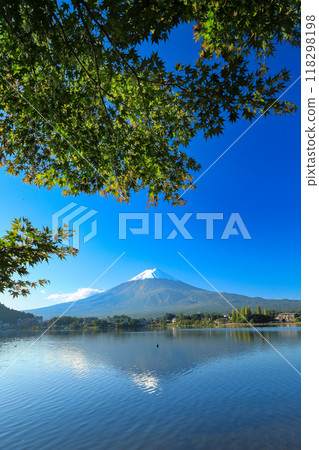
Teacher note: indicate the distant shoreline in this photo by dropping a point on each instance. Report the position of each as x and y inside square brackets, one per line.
[157, 327]
[230, 325]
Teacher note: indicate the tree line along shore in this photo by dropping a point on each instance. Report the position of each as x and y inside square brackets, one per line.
[243, 317]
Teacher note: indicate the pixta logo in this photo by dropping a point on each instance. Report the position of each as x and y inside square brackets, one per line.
[139, 224]
[71, 217]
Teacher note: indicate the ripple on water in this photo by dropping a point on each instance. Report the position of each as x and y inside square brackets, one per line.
[199, 389]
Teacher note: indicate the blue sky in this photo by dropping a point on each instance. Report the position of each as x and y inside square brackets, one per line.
[259, 178]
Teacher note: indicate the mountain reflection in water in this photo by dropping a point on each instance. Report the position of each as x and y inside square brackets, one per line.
[118, 390]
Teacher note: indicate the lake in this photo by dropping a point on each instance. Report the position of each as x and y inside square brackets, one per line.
[200, 389]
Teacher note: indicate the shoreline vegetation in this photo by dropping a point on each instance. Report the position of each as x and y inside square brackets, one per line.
[243, 318]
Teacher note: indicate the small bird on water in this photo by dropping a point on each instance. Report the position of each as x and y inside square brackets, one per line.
[156, 345]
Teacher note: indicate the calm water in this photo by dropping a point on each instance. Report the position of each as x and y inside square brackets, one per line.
[200, 389]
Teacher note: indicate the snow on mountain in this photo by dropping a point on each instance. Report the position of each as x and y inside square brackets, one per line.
[152, 273]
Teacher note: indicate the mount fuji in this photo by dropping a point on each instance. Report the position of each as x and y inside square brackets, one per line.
[153, 293]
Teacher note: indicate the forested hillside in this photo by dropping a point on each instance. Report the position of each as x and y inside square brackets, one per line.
[11, 315]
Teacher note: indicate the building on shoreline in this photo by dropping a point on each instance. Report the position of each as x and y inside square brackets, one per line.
[287, 317]
[22, 323]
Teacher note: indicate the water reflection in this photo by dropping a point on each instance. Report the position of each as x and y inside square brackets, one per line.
[146, 381]
[208, 388]
[136, 353]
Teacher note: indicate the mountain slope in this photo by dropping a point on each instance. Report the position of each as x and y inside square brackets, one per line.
[151, 297]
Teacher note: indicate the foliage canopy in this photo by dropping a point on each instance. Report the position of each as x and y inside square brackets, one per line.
[83, 108]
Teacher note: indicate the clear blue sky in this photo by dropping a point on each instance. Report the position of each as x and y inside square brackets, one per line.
[259, 178]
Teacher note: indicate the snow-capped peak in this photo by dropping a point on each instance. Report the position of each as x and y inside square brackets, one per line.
[152, 273]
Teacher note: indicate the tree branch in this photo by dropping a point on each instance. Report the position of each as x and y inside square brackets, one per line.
[77, 58]
[101, 28]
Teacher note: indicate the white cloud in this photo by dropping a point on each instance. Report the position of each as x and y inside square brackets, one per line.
[71, 297]
[43, 291]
